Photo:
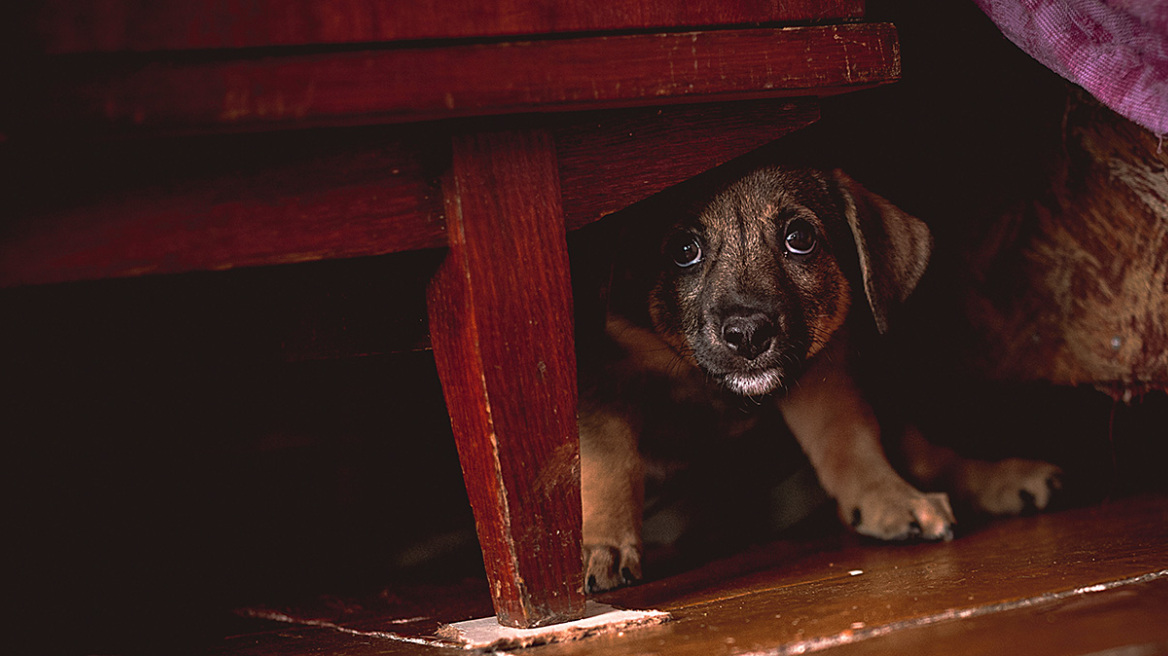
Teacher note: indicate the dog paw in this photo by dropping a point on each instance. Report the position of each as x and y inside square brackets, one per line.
[894, 510]
[1013, 486]
[607, 566]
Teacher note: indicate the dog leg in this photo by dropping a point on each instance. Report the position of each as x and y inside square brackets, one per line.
[612, 490]
[839, 433]
[1006, 487]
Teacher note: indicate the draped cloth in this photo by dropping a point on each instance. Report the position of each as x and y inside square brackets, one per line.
[1115, 49]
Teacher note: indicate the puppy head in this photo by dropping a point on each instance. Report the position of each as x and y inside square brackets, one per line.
[763, 276]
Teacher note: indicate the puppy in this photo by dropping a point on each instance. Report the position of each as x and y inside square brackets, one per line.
[760, 296]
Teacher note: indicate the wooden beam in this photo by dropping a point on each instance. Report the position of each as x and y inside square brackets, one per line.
[501, 327]
[623, 157]
[74, 26]
[132, 208]
[421, 83]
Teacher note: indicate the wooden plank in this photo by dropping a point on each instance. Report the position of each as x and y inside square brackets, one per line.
[624, 157]
[793, 598]
[1126, 619]
[411, 84]
[178, 206]
[1014, 587]
[128, 209]
[501, 327]
[72, 26]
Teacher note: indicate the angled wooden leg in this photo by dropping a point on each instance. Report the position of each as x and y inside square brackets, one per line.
[501, 325]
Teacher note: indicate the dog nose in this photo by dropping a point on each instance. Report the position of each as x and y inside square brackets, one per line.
[748, 335]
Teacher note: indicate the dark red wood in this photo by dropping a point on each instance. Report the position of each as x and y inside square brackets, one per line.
[1085, 581]
[501, 327]
[275, 199]
[160, 212]
[411, 84]
[70, 26]
[622, 157]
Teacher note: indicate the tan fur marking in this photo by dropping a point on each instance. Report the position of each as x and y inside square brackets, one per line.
[993, 487]
[647, 350]
[612, 496]
[840, 435]
[827, 324]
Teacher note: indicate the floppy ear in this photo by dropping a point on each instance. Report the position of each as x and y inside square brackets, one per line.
[894, 247]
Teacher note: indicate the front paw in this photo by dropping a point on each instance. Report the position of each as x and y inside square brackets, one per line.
[894, 510]
[607, 566]
[1011, 487]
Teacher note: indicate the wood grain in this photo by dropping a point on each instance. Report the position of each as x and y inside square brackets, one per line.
[1126, 619]
[73, 26]
[623, 157]
[190, 204]
[131, 209]
[795, 598]
[1052, 584]
[420, 83]
[501, 327]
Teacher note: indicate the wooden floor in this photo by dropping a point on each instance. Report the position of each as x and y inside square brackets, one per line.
[1088, 580]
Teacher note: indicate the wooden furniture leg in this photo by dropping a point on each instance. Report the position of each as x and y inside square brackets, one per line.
[501, 325]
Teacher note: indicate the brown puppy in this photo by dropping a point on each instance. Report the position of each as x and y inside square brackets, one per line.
[758, 295]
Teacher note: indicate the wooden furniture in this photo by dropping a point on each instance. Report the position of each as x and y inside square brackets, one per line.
[169, 136]
[1088, 580]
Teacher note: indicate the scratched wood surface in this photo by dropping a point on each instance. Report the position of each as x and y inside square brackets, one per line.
[1078, 581]
[72, 26]
[418, 83]
[1125, 619]
[501, 327]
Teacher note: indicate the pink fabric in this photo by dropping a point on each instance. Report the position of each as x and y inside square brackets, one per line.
[1115, 49]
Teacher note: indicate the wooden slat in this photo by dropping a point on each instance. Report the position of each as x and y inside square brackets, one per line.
[623, 157]
[823, 596]
[1127, 619]
[176, 206]
[411, 84]
[71, 26]
[118, 211]
[1050, 585]
[501, 327]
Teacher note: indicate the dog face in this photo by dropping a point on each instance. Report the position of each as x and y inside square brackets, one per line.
[763, 277]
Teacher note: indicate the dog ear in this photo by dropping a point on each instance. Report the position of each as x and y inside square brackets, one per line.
[894, 247]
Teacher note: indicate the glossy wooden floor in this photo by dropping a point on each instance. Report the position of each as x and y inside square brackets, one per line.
[1083, 581]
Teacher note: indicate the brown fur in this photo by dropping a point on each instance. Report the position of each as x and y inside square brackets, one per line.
[764, 310]
[1071, 286]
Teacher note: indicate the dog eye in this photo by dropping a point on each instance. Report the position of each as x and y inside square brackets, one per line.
[685, 249]
[800, 237]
